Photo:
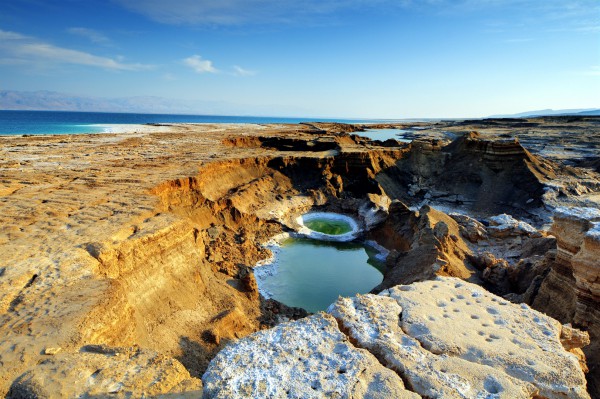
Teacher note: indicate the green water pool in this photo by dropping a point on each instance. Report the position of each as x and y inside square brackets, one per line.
[328, 226]
[311, 274]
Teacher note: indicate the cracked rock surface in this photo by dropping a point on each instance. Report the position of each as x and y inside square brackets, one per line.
[309, 358]
[444, 338]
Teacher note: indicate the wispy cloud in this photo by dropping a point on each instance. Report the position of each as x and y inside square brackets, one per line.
[241, 12]
[239, 71]
[199, 65]
[249, 12]
[93, 35]
[16, 48]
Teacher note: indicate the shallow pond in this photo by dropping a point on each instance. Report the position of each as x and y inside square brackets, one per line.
[385, 134]
[311, 274]
[328, 226]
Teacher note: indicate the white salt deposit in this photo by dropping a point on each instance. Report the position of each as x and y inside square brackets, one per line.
[305, 231]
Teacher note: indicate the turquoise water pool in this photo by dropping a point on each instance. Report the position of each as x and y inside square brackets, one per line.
[311, 274]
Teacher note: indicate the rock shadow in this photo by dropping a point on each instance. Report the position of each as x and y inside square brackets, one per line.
[195, 355]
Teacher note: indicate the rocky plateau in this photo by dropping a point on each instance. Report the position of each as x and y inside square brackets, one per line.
[127, 259]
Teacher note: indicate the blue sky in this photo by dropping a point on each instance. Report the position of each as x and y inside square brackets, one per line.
[324, 58]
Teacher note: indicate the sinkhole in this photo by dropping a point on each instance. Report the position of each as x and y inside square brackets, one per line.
[312, 268]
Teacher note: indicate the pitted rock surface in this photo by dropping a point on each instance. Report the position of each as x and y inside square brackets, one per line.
[309, 358]
[449, 316]
[445, 338]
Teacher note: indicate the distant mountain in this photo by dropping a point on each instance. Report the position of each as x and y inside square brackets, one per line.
[551, 112]
[54, 101]
[593, 112]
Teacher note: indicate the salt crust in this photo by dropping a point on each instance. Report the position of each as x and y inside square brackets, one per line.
[303, 230]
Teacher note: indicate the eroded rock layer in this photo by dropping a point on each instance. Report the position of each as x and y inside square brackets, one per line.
[571, 291]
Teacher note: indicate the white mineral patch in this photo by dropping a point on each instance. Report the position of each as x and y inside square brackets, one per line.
[594, 232]
[447, 338]
[268, 267]
[309, 358]
[305, 231]
[382, 253]
[591, 214]
[508, 224]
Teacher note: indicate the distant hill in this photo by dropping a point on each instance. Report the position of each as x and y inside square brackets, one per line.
[54, 101]
[593, 112]
[551, 112]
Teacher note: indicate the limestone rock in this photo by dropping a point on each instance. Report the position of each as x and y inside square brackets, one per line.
[504, 225]
[470, 228]
[374, 210]
[309, 358]
[374, 322]
[99, 371]
[445, 338]
[432, 245]
[462, 320]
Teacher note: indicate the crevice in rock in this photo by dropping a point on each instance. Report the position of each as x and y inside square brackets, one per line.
[346, 331]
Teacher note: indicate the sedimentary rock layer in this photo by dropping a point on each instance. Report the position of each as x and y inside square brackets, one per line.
[571, 291]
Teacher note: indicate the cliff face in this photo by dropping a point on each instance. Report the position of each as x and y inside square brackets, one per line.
[482, 175]
[440, 339]
[571, 291]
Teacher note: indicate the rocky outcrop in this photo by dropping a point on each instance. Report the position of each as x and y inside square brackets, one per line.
[445, 338]
[101, 371]
[571, 291]
[423, 244]
[488, 176]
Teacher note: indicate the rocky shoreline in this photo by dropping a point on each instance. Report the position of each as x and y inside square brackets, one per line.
[127, 259]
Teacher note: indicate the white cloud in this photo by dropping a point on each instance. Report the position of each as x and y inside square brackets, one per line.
[199, 65]
[17, 48]
[91, 34]
[239, 71]
[5, 35]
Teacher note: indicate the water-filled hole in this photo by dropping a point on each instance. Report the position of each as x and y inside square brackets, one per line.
[311, 274]
[329, 226]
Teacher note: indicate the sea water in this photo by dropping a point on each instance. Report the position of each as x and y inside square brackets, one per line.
[385, 134]
[63, 122]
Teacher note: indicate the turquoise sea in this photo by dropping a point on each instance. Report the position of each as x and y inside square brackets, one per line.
[62, 122]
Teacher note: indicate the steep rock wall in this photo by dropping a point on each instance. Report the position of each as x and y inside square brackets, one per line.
[571, 291]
